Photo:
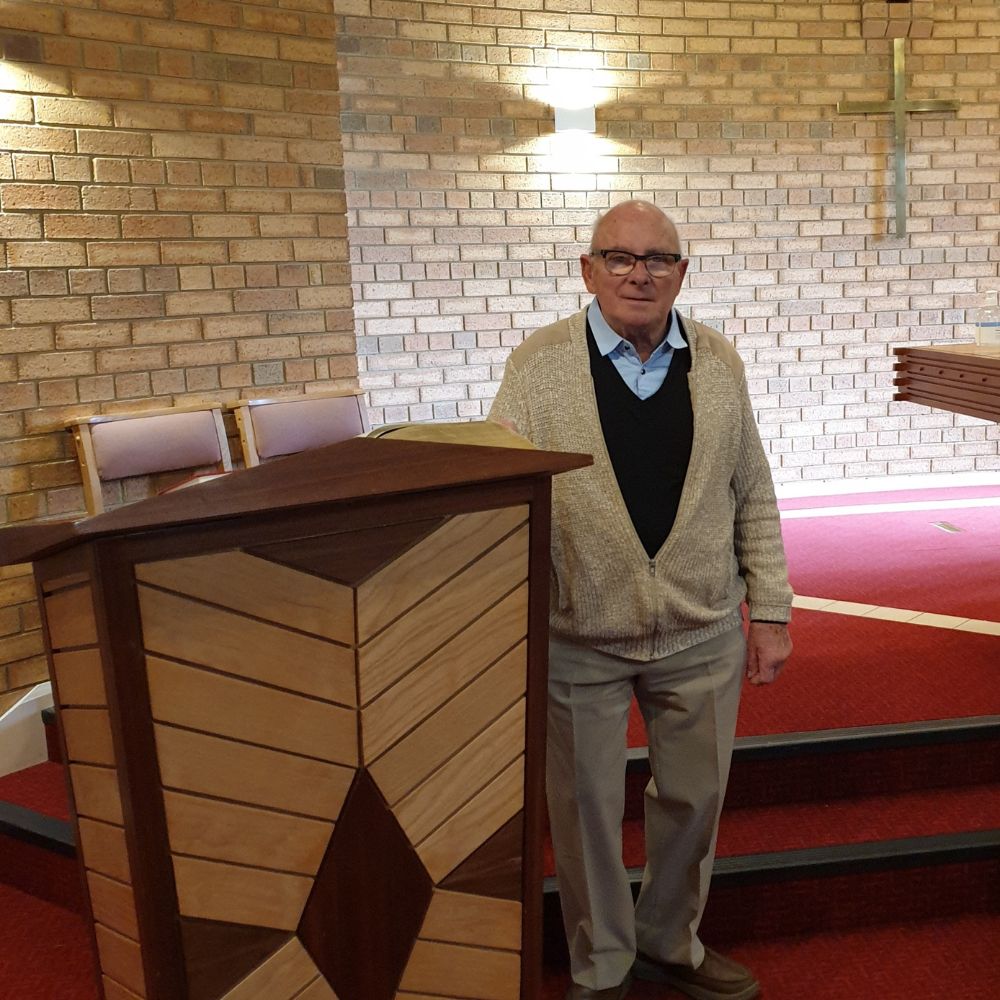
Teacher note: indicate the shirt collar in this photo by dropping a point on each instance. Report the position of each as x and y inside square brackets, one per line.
[607, 340]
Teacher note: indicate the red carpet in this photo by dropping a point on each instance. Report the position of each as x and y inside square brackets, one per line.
[901, 560]
[848, 671]
[41, 788]
[45, 951]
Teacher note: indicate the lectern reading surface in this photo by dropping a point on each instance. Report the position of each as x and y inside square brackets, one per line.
[303, 712]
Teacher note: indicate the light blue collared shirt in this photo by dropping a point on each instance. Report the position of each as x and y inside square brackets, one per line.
[642, 377]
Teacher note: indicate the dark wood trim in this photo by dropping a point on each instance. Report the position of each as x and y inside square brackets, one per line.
[535, 726]
[119, 629]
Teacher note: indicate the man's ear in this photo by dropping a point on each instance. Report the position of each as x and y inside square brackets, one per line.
[587, 270]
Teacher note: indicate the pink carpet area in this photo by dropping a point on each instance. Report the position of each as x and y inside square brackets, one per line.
[892, 497]
[901, 559]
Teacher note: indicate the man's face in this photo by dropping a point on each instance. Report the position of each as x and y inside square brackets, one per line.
[634, 304]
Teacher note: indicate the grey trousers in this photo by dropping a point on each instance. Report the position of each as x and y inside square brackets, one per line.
[689, 702]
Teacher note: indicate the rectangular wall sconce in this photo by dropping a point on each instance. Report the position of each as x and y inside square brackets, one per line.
[575, 119]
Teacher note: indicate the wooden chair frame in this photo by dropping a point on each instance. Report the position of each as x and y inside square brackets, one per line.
[254, 451]
[161, 444]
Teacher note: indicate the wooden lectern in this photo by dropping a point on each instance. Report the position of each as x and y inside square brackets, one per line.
[303, 711]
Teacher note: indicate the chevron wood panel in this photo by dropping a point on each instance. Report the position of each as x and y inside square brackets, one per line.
[442, 969]
[430, 684]
[104, 850]
[95, 790]
[429, 563]
[79, 677]
[120, 959]
[440, 736]
[484, 814]
[260, 588]
[280, 977]
[113, 904]
[88, 735]
[210, 765]
[70, 617]
[433, 622]
[182, 629]
[214, 890]
[477, 920]
[472, 767]
[225, 831]
[226, 706]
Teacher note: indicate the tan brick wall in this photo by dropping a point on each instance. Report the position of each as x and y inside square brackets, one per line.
[172, 228]
[466, 217]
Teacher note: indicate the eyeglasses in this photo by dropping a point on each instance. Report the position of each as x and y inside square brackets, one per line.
[621, 262]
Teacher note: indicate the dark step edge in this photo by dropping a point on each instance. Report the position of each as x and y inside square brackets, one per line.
[841, 859]
[777, 745]
[37, 828]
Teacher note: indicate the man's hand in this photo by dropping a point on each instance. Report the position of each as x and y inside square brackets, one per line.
[768, 646]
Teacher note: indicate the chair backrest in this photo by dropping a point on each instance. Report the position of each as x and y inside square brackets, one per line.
[286, 425]
[117, 445]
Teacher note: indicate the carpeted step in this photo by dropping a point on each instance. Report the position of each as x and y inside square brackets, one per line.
[942, 958]
[837, 764]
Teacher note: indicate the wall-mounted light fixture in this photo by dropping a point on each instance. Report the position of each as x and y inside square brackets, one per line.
[571, 92]
[576, 119]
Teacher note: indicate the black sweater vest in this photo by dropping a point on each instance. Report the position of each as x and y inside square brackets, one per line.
[648, 440]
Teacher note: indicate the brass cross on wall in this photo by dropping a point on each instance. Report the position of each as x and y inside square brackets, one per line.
[899, 106]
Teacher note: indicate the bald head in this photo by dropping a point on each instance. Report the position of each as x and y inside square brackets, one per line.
[635, 212]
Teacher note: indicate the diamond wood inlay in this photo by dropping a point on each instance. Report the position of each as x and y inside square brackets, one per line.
[369, 900]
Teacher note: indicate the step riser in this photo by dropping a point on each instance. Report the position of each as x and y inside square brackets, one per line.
[821, 777]
[740, 911]
[41, 872]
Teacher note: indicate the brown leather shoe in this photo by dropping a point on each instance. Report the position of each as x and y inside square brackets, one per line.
[611, 993]
[717, 978]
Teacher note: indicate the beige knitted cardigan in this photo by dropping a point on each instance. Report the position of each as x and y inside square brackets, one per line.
[725, 544]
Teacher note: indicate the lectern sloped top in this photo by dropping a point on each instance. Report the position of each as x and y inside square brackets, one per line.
[302, 709]
[356, 469]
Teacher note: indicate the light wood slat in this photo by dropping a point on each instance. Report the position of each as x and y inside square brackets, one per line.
[115, 991]
[261, 588]
[456, 970]
[279, 977]
[227, 706]
[419, 570]
[451, 608]
[244, 835]
[104, 849]
[88, 735]
[476, 920]
[96, 792]
[318, 989]
[471, 769]
[474, 823]
[120, 958]
[70, 617]
[212, 766]
[438, 737]
[213, 890]
[434, 681]
[80, 677]
[113, 904]
[183, 629]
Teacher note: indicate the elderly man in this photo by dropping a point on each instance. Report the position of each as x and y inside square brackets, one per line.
[654, 550]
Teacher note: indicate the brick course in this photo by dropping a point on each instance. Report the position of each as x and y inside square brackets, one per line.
[724, 114]
[162, 230]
